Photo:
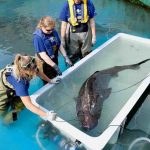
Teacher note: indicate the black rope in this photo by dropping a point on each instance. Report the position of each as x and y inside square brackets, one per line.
[130, 85]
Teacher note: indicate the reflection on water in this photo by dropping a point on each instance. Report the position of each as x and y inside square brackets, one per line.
[118, 16]
[19, 18]
[17, 23]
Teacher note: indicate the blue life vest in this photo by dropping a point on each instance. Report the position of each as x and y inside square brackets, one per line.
[51, 42]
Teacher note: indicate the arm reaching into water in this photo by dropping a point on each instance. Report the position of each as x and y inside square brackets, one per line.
[51, 81]
[63, 52]
[27, 102]
[48, 60]
[50, 115]
[63, 32]
[92, 25]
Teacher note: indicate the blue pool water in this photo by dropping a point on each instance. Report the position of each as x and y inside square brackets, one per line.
[17, 22]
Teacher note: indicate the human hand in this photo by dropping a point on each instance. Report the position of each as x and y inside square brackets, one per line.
[93, 40]
[51, 115]
[57, 70]
[55, 81]
[68, 61]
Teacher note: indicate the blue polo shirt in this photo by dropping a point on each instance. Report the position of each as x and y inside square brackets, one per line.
[21, 87]
[44, 42]
[65, 13]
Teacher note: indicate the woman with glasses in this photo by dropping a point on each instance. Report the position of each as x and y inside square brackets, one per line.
[47, 44]
[14, 84]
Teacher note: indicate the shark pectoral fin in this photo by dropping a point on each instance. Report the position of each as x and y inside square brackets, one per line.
[106, 92]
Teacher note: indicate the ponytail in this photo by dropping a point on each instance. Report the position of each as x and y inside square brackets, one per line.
[17, 67]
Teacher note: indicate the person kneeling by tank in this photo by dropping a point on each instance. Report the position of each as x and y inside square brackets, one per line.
[14, 84]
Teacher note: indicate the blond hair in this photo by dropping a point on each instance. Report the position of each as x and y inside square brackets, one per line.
[46, 21]
[21, 72]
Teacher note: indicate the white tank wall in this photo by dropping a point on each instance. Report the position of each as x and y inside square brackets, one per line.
[120, 50]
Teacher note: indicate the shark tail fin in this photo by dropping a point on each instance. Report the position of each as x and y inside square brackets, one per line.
[142, 62]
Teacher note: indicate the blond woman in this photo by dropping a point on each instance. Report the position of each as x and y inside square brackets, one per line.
[47, 44]
[14, 84]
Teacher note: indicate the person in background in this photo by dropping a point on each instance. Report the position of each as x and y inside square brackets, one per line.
[14, 84]
[47, 44]
[78, 28]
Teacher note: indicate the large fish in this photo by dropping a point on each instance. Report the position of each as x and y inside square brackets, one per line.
[94, 91]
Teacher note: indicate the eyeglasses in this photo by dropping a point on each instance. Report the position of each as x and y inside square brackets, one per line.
[50, 30]
[29, 64]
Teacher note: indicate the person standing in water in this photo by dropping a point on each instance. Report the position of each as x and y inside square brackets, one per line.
[47, 44]
[78, 28]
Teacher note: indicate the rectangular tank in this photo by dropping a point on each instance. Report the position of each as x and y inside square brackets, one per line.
[127, 87]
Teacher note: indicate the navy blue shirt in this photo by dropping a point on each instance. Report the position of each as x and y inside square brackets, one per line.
[21, 87]
[46, 42]
[65, 13]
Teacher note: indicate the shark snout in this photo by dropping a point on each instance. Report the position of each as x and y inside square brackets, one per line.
[89, 122]
[89, 127]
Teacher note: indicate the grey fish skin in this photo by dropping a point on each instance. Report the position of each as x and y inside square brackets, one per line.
[94, 91]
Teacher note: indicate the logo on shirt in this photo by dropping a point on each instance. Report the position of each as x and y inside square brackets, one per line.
[78, 11]
[52, 39]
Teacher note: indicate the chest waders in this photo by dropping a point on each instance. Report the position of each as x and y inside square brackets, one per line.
[78, 33]
[8, 98]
